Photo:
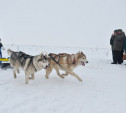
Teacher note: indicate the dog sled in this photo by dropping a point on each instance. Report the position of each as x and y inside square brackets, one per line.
[4, 63]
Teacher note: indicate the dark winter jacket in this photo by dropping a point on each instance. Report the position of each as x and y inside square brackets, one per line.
[1, 45]
[112, 39]
[124, 46]
[118, 42]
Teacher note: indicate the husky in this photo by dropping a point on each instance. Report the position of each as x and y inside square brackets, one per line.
[66, 62]
[30, 64]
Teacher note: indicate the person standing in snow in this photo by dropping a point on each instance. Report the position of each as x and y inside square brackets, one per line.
[1, 47]
[124, 46]
[111, 42]
[117, 43]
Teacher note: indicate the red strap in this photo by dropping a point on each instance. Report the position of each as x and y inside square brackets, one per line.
[74, 61]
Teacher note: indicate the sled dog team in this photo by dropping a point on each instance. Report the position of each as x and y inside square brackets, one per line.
[31, 64]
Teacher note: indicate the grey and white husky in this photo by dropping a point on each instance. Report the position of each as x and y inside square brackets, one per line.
[30, 64]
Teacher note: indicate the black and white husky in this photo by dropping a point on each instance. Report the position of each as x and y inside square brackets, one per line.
[30, 64]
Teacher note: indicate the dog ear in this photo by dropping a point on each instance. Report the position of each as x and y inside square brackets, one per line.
[45, 53]
[82, 52]
[47, 56]
[79, 52]
[41, 55]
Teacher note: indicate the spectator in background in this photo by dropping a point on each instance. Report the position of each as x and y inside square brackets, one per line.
[117, 43]
[124, 46]
[1, 47]
[111, 42]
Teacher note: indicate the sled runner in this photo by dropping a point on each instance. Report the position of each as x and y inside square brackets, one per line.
[4, 63]
[4, 59]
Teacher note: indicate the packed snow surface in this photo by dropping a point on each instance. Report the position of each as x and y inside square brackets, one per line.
[103, 89]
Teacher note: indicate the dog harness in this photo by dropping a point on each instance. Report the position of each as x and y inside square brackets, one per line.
[24, 56]
[53, 58]
[74, 61]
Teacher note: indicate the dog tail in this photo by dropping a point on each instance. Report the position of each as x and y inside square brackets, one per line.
[9, 51]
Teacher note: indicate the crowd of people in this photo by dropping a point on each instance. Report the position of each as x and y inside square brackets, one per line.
[118, 44]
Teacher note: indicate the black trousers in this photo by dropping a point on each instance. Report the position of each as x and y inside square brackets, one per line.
[117, 56]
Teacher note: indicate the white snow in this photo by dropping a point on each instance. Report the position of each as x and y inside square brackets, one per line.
[103, 89]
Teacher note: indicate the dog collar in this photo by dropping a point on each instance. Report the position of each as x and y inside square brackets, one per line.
[74, 61]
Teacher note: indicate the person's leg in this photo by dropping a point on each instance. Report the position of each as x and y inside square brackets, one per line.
[0, 54]
[120, 57]
[115, 57]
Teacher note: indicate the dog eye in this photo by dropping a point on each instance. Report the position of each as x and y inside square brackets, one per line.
[43, 61]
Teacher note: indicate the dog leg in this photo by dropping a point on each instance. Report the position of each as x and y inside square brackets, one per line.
[48, 71]
[75, 75]
[14, 74]
[18, 71]
[26, 64]
[32, 77]
[26, 78]
[57, 71]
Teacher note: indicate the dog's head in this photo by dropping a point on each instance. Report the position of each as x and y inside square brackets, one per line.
[82, 59]
[43, 61]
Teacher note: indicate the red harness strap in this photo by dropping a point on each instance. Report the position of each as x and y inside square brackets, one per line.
[74, 61]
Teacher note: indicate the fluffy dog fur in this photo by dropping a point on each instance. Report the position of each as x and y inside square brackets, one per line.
[30, 64]
[66, 62]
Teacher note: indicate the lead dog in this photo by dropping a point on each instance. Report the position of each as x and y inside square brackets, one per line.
[30, 64]
[66, 62]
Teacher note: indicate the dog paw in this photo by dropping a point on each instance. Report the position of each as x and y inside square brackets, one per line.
[46, 77]
[80, 80]
[26, 82]
[15, 76]
[31, 78]
[62, 77]
[18, 71]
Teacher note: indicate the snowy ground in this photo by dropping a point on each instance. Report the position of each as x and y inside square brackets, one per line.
[103, 89]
